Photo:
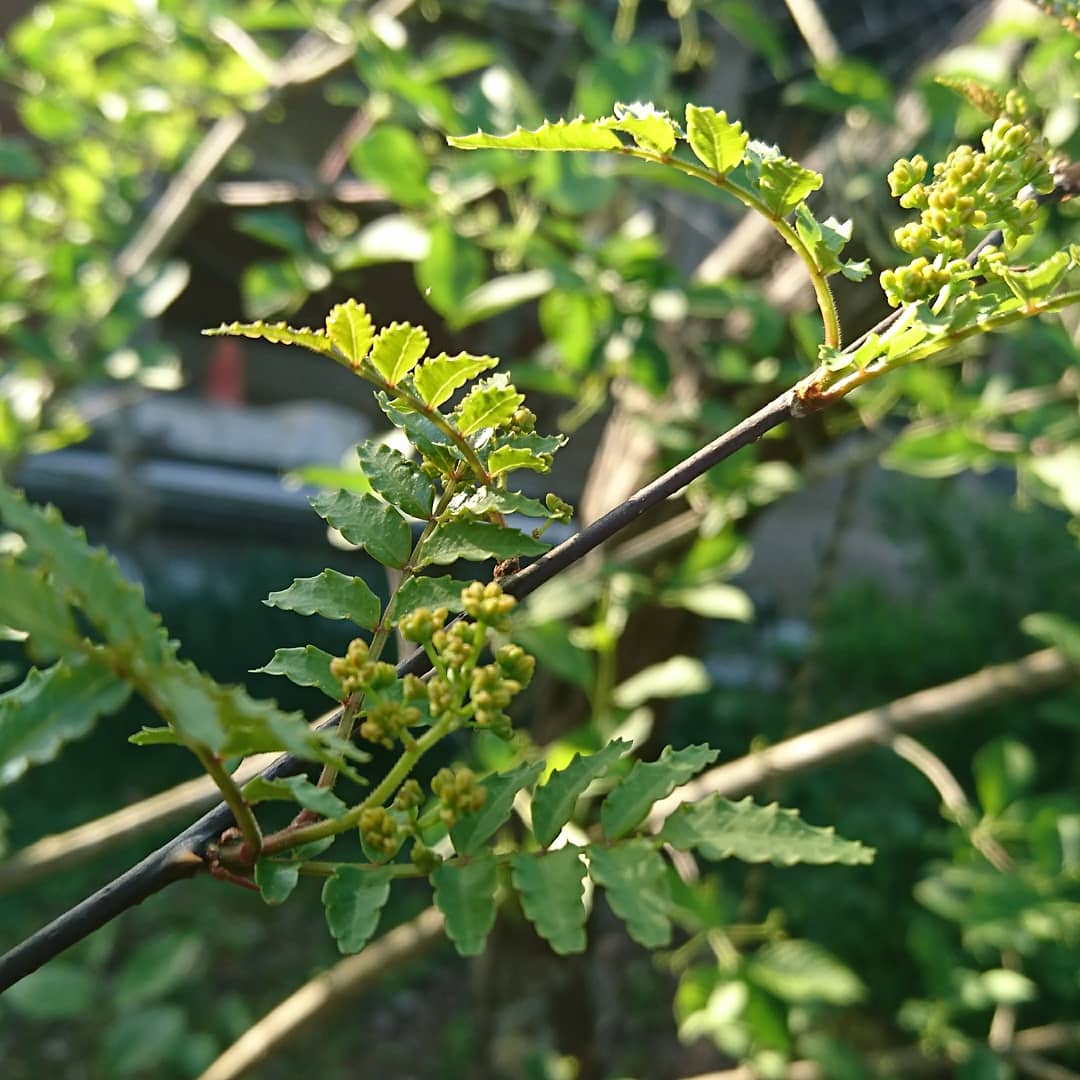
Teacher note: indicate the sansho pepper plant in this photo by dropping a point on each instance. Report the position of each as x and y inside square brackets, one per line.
[455, 500]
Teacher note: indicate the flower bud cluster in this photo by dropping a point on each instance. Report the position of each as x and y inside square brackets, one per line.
[357, 673]
[386, 721]
[487, 603]
[380, 831]
[970, 191]
[523, 422]
[410, 796]
[459, 793]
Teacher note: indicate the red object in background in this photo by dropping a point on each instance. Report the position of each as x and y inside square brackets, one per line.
[226, 378]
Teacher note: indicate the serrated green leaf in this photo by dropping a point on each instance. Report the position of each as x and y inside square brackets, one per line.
[825, 240]
[474, 829]
[348, 327]
[719, 829]
[627, 804]
[305, 666]
[678, 676]
[649, 127]
[422, 591]
[276, 880]
[397, 350]
[430, 440]
[551, 887]
[489, 405]
[332, 595]
[779, 182]
[397, 479]
[155, 736]
[278, 333]
[369, 523]
[578, 134]
[508, 458]
[718, 143]
[1037, 283]
[489, 499]
[51, 708]
[298, 789]
[31, 603]
[554, 802]
[803, 971]
[476, 541]
[635, 878]
[354, 898]
[437, 379]
[465, 894]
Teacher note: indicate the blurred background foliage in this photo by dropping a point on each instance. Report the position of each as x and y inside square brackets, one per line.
[166, 166]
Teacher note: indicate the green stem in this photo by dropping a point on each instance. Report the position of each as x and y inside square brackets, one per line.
[244, 815]
[825, 300]
[316, 868]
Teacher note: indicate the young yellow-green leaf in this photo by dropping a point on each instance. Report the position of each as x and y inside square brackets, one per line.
[1038, 282]
[802, 971]
[719, 829]
[634, 876]
[51, 708]
[397, 479]
[305, 666]
[349, 327]
[354, 898]
[465, 894]
[276, 880]
[278, 333]
[488, 405]
[397, 350]
[476, 828]
[298, 789]
[979, 94]
[331, 594]
[554, 802]
[779, 182]
[368, 522]
[627, 804]
[155, 736]
[551, 888]
[476, 541]
[508, 458]
[677, 676]
[650, 128]
[579, 134]
[423, 591]
[718, 143]
[437, 379]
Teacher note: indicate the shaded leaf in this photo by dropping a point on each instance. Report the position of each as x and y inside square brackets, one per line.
[392, 157]
[488, 405]
[502, 293]
[1004, 770]
[437, 379]
[422, 591]
[452, 269]
[369, 523]
[331, 594]
[719, 829]
[397, 350]
[465, 894]
[58, 991]
[554, 802]
[627, 804]
[276, 880]
[476, 541]
[157, 967]
[142, 1040]
[305, 666]
[51, 708]
[298, 789]
[349, 327]
[551, 887]
[476, 828]
[801, 971]
[156, 736]
[31, 603]
[354, 898]
[1055, 630]
[718, 143]
[579, 134]
[635, 878]
[397, 479]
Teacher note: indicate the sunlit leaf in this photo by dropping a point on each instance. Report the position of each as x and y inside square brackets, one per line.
[803, 971]
[678, 676]
[554, 802]
[718, 143]
[650, 128]
[579, 134]
[488, 405]
[350, 329]
[437, 379]
[501, 294]
[779, 182]
[397, 349]
[278, 333]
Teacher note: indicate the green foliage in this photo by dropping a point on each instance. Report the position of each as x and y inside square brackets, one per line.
[551, 887]
[465, 894]
[332, 595]
[556, 798]
[634, 878]
[354, 898]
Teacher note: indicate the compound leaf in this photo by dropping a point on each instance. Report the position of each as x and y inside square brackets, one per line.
[331, 594]
[397, 350]
[349, 327]
[634, 876]
[551, 887]
[626, 805]
[354, 898]
[474, 829]
[369, 523]
[397, 479]
[718, 143]
[465, 894]
[554, 802]
[719, 829]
